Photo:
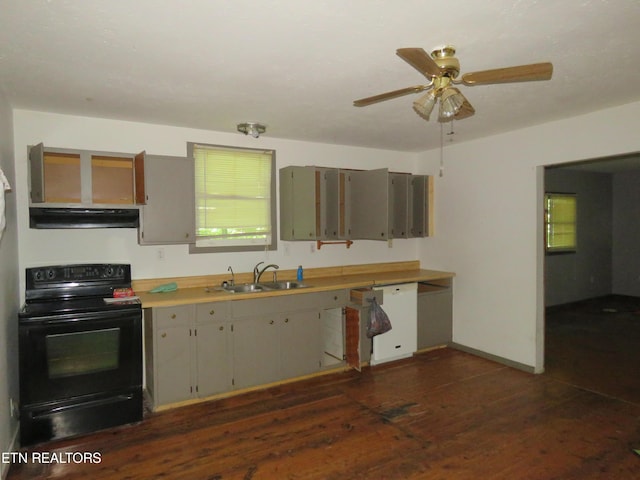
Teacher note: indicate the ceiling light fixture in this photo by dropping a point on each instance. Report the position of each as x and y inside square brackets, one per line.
[454, 105]
[252, 128]
[424, 105]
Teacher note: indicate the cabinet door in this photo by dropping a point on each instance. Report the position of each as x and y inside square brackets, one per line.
[255, 351]
[36, 173]
[213, 362]
[300, 343]
[173, 359]
[299, 217]
[330, 195]
[435, 322]
[369, 204]
[169, 214]
[399, 184]
[173, 373]
[421, 206]
[353, 344]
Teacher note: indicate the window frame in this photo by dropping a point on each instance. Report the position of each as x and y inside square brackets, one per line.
[550, 250]
[273, 207]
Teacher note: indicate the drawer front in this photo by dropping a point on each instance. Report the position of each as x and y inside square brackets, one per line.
[332, 299]
[288, 303]
[167, 317]
[212, 312]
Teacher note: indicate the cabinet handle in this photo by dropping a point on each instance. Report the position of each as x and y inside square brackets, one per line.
[335, 297]
[186, 235]
[221, 327]
[271, 322]
[286, 320]
[163, 335]
[173, 316]
[211, 312]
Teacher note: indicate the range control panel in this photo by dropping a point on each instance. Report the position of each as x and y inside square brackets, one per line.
[76, 280]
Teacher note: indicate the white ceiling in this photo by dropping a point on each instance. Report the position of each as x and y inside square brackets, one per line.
[297, 65]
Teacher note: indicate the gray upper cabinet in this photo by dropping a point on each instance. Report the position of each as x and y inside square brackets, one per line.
[309, 203]
[320, 203]
[368, 194]
[168, 217]
[59, 176]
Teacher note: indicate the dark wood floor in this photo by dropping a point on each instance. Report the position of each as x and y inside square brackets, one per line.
[595, 344]
[444, 414]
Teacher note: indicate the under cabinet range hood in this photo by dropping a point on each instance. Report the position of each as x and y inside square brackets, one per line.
[78, 217]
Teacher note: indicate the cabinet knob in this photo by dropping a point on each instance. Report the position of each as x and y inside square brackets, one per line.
[271, 322]
[186, 235]
[221, 327]
[211, 312]
[335, 297]
[286, 320]
[173, 316]
[164, 335]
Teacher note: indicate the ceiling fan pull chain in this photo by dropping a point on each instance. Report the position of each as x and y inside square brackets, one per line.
[441, 150]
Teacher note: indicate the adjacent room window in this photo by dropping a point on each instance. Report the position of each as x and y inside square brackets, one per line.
[560, 222]
[234, 198]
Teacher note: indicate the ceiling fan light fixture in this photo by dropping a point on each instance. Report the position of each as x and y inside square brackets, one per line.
[424, 105]
[454, 105]
[252, 128]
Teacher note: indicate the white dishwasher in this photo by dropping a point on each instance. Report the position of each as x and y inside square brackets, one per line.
[400, 302]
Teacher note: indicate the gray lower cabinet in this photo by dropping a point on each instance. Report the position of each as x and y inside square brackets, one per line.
[213, 346]
[435, 307]
[169, 354]
[195, 351]
[255, 350]
[186, 352]
[276, 346]
[300, 344]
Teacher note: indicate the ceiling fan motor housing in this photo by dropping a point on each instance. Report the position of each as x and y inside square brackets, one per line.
[446, 60]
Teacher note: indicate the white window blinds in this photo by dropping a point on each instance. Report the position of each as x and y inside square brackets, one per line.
[233, 196]
[560, 222]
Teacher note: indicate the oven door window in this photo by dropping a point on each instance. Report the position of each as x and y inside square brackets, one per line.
[82, 353]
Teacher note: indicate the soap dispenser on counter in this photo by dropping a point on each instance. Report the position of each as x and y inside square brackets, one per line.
[300, 274]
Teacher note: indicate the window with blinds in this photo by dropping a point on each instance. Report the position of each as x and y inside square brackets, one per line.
[560, 222]
[234, 198]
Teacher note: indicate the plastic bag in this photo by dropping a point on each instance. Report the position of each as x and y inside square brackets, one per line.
[378, 322]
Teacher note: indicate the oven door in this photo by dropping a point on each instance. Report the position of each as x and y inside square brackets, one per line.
[67, 356]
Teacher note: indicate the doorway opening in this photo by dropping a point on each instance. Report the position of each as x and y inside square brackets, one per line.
[592, 294]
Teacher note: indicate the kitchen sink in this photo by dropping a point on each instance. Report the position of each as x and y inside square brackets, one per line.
[259, 287]
[244, 288]
[283, 285]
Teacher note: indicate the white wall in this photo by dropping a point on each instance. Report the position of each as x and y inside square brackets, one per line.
[626, 233]
[8, 290]
[489, 225]
[48, 247]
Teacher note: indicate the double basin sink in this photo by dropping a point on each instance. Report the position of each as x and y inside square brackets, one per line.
[262, 287]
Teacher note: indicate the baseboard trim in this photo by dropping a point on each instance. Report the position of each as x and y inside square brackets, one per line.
[495, 358]
[13, 447]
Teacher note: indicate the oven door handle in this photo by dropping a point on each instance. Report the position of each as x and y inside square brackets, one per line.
[85, 318]
[92, 403]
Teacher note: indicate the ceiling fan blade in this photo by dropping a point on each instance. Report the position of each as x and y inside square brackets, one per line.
[363, 102]
[522, 73]
[420, 60]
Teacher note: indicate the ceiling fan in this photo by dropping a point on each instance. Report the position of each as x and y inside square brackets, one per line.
[441, 69]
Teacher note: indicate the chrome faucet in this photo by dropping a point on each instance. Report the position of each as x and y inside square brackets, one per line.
[257, 273]
[233, 277]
